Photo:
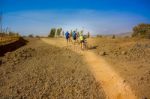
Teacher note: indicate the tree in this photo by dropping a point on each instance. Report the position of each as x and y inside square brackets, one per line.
[17, 34]
[59, 30]
[71, 33]
[52, 32]
[100, 36]
[30, 35]
[113, 37]
[37, 36]
[63, 33]
[141, 30]
[88, 34]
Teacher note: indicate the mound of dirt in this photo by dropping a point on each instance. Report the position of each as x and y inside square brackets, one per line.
[43, 71]
[13, 58]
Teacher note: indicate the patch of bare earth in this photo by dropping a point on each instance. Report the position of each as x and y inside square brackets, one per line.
[39, 71]
[130, 59]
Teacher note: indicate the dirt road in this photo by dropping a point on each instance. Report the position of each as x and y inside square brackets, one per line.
[113, 85]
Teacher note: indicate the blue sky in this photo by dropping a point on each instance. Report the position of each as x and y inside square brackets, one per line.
[95, 16]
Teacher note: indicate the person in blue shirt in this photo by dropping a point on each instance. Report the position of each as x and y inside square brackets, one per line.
[74, 35]
[67, 35]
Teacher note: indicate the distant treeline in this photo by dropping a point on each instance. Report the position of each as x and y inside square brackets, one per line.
[9, 34]
[54, 32]
[58, 32]
[142, 30]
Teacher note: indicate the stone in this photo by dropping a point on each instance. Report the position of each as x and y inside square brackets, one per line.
[141, 78]
[144, 98]
[103, 53]
[123, 52]
[8, 54]
[124, 81]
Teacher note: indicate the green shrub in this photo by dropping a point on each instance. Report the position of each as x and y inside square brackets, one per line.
[52, 32]
[113, 37]
[141, 30]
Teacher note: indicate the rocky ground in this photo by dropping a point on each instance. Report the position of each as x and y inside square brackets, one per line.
[38, 70]
[130, 58]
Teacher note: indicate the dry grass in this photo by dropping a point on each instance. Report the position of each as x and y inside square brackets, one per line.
[7, 39]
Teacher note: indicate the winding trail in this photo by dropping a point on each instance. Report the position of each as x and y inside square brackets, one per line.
[114, 86]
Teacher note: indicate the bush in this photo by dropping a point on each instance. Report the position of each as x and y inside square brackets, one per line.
[142, 30]
[100, 36]
[30, 35]
[113, 37]
[37, 36]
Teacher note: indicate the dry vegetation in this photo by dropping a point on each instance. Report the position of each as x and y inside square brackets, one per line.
[7, 39]
[38, 70]
[130, 58]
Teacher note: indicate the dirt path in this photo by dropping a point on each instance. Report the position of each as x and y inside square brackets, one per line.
[113, 85]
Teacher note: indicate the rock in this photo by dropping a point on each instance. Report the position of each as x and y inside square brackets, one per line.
[141, 78]
[15, 59]
[8, 54]
[24, 50]
[69, 56]
[103, 53]
[4, 60]
[16, 62]
[124, 81]
[123, 52]
[115, 53]
[17, 91]
[148, 72]
[144, 98]
[23, 55]
[11, 63]
[119, 48]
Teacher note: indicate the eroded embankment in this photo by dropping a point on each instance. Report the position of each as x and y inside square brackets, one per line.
[12, 46]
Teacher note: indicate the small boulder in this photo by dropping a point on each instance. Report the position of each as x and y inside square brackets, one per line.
[124, 81]
[123, 52]
[103, 53]
[8, 54]
[16, 62]
[28, 55]
[144, 98]
[15, 59]
[142, 78]
[69, 56]
[23, 55]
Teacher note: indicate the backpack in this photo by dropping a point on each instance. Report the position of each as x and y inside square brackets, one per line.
[67, 34]
[74, 35]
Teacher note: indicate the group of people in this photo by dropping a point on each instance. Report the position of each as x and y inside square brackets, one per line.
[75, 37]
